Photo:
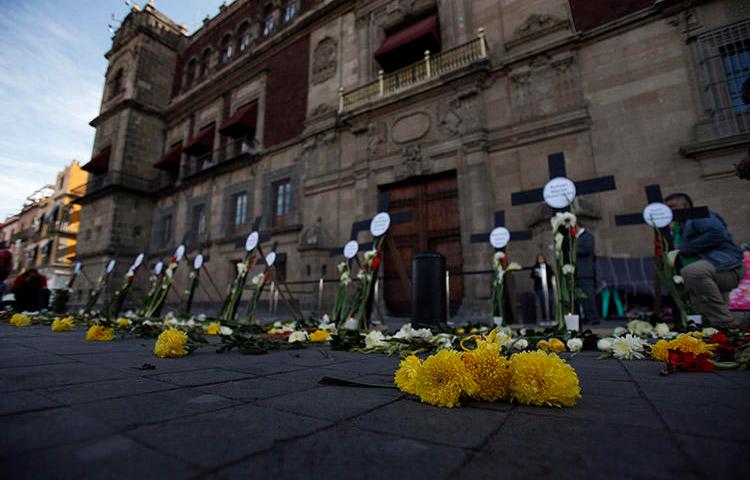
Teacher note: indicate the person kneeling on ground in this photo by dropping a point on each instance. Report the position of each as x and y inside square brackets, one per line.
[711, 262]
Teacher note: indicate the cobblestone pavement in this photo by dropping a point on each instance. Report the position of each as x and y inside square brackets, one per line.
[77, 409]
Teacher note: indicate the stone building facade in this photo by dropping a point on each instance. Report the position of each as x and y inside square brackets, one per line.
[304, 111]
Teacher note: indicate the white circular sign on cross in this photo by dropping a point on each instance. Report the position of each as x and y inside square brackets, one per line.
[380, 224]
[351, 249]
[270, 258]
[111, 266]
[657, 215]
[138, 261]
[179, 253]
[77, 267]
[559, 192]
[251, 242]
[158, 268]
[198, 262]
[499, 237]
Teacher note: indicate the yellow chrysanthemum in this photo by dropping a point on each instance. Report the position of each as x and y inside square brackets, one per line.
[20, 320]
[542, 345]
[320, 336]
[171, 344]
[690, 343]
[443, 378]
[539, 378]
[556, 345]
[98, 333]
[660, 350]
[489, 370]
[123, 322]
[406, 374]
[63, 324]
[213, 328]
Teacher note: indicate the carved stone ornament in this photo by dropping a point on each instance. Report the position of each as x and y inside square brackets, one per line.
[412, 164]
[460, 116]
[324, 60]
[376, 139]
[536, 24]
[316, 236]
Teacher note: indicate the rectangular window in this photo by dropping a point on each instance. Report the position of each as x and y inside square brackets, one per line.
[268, 26]
[166, 230]
[198, 221]
[291, 11]
[282, 201]
[239, 209]
[724, 58]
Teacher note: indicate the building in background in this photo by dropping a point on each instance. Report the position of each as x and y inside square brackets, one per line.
[43, 234]
[304, 111]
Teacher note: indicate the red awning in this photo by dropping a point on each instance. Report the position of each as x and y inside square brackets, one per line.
[425, 31]
[202, 143]
[99, 163]
[171, 159]
[242, 123]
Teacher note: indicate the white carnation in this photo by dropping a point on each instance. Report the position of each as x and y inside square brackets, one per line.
[708, 331]
[297, 337]
[575, 344]
[605, 344]
[661, 330]
[520, 344]
[620, 331]
[628, 347]
[375, 339]
[568, 269]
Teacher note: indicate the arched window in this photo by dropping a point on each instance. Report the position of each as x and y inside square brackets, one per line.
[226, 49]
[205, 63]
[245, 37]
[115, 87]
[290, 11]
[190, 73]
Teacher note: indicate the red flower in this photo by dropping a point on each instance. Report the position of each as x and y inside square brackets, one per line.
[678, 361]
[657, 247]
[572, 231]
[376, 261]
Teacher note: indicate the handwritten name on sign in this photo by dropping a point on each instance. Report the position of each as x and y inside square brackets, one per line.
[657, 215]
[252, 241]
[499, 237]
[351, 249]
[559, 192]
[380, 224]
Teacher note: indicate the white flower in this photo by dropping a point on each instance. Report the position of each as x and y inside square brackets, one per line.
[277, 325]
[498, 259]
[520, 344]
[327, 326]
[661, 330]
[346, 278]
[342, 267]
[350, 324]
[677, 279]
[568, 269]
[566, 219]
[513, 266]
[225, 330]
[241, 268]
[297, 337]
[258, 279]
[499, 276]
[640, 328]
[443, 341]
[620, 331]
[575, 344]
[672, 256]
[369, 255]
[708, 331]
[628, 347]
[375, 339]
[605, 344]
[405, 332]
[559, 241]
[190, 323]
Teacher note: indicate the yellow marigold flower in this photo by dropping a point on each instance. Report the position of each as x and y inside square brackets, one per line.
[542, 345]
[539, 378]
[660, 350]
[690, 343]
[20, 320]
[171, 344]
[443, 378]
[460, 331]
[556, 345]
[213, 328]
[320, 336]
[406, 374]
[63, 324]
[489, 370]
[98, 333]
[123, 322]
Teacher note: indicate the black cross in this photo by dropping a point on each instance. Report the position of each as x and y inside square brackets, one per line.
[653, 195]
[556, 166]
[500, 222]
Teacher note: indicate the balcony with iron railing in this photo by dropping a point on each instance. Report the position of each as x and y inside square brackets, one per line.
[231, 152]
[430, 68]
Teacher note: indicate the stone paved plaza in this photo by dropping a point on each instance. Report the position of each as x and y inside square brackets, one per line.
[77, 409]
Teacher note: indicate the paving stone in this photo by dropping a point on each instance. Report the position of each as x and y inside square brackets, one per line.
[344, 453]
[153, 407]
[46, 428]
[32, 359]
[254, 388]
[200, 377]
[216, 438]
[535, 446]
[659, 392]
[717, 458]
[104, 390]
[311, 376]
[111, 457]
[331, 403]
[24, 401]
[702, 420]
[462, 427]
[41, 376]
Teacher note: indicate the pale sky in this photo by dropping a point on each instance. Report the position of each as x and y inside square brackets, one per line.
[52, 69]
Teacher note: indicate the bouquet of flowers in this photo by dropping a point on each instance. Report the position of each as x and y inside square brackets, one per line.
[564, 231]
[259, 281]
[500, 266]
[235, 292]
[340, 311]
[665, 265]
[122, 292]
[97, 292]
[156, 301]
[367, 275]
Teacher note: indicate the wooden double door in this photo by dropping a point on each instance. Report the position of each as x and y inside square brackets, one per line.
[435, 227]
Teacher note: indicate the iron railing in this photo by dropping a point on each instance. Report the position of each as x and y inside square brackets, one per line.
[230, 152]
[433, 66]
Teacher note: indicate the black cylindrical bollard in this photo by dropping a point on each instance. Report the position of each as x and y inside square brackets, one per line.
[428, 296]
